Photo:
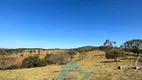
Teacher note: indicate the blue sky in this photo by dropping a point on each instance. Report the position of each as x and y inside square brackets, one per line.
[68, 23]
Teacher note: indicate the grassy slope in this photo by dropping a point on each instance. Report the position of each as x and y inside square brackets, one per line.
[17, 59]
[93, 61]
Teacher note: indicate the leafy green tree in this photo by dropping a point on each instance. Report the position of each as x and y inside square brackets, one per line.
[135, 45]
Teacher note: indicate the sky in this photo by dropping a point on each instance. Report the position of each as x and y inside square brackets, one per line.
[68, 23]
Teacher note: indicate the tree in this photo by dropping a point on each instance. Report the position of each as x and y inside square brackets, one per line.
[135, 45]
[121, 46]
[114, 54]
[109, 43]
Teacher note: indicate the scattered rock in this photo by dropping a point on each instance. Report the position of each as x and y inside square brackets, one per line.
[130, 67]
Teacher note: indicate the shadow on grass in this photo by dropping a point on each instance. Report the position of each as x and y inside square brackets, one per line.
[140, 60]
[131, 55]
[78, 59]
[131, 58]
[109, 61]
[126, 58]
[98, 55]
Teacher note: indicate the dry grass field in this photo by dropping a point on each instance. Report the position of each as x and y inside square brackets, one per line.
[17, 59]
[93, 61]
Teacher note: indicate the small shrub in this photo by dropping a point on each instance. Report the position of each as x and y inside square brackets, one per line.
[114, 54]
[34, 51]
[72, 53]
[21, 55]
[61, 58]
[32, 61]
[38, 51]
[47, 59]
[31, 51]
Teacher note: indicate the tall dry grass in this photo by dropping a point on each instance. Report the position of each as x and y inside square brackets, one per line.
[93, 61]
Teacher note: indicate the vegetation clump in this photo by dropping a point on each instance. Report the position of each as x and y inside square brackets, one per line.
[21, 55]
[61, 58]
[134, 46]
[72, 53]
[114, 54]
[32, 61]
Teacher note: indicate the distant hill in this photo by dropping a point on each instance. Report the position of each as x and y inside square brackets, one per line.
[86, 49]
[3, 48]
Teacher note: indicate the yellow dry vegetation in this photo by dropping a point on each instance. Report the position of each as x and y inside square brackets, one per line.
[27, 52]
[92, 61]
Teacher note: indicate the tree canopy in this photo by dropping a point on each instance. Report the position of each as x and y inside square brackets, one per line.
[135, 45]
[109, 43]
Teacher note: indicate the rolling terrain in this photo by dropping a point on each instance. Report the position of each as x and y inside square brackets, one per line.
[94, 61]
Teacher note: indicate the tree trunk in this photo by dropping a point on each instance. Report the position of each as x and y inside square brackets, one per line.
[137, 61]
[115, 59]
[138, 54]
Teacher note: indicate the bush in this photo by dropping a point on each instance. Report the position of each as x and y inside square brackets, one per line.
[47, 59]
[82, 56]
[61, 58]
[21, 55]
[72, 53]
[114, 54]
[32, 61]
